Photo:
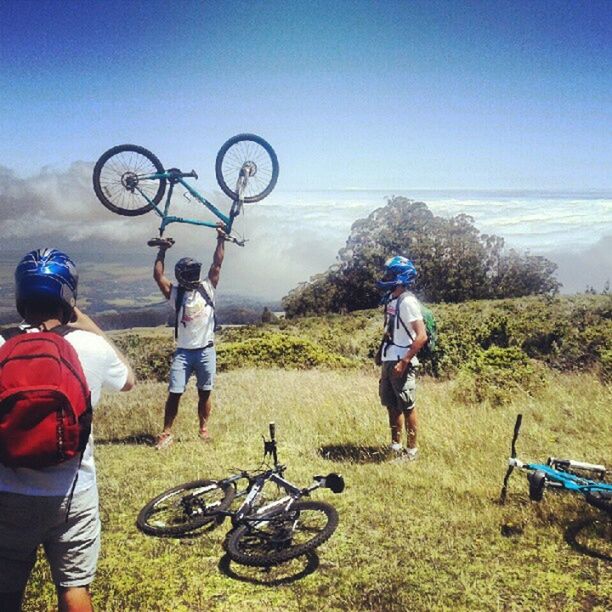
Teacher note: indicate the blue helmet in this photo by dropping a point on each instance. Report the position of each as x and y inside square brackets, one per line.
[47, 276]
[398, 271]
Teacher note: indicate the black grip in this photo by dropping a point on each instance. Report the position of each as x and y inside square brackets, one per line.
[517, 428]
[272, 430]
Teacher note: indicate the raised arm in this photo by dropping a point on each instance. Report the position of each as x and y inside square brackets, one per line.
[163, 282]
[215, 269]
[82, 321]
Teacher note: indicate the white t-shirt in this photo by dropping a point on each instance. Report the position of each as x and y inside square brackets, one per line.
[410, 311]
[103, 369]
[196, 326]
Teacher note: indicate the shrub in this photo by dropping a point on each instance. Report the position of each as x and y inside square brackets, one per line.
[606, 366]
[280, 350]
[149, 356]
[497, 375]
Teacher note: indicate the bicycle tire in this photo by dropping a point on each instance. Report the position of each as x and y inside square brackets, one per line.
[267, 545]
[247, 147]
[601, 500]
[185, 509]
[537, 484]
[117, 172]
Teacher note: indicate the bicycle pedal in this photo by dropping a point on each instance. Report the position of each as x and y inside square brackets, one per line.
[157, 242]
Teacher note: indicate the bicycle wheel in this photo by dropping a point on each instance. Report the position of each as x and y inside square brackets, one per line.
[186, 507]
[120, 180]
[257, 157]
[267, 540]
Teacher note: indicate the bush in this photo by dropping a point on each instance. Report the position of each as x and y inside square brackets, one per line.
[149, 356]
[606, 367]
[497, 375]
[279, 350]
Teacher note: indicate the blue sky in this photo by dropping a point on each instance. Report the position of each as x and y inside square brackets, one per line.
[378, 95]
[380, 98]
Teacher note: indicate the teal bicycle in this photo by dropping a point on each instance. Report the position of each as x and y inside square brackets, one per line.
[129, 180]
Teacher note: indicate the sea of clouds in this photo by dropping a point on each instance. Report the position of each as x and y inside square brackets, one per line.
[294, 235]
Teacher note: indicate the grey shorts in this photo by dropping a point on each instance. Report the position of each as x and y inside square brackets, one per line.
[397, 392]
[187, 361]
[71, 547]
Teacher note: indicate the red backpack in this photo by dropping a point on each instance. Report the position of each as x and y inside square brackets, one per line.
[45, 403]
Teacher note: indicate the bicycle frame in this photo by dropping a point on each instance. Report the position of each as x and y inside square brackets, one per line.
[175, 177]
[565, 480]
[558, 473]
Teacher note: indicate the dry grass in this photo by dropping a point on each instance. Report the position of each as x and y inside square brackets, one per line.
[416, 536]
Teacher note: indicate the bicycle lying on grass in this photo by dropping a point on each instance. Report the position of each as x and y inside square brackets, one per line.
[130, 180]
[263, 533]
[565, 474]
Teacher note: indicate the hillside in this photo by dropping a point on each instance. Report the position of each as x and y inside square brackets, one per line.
[565, 333]
[423, 536]
[427, 535]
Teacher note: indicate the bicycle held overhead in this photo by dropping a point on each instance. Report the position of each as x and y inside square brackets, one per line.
[264, 533]
[129, 180]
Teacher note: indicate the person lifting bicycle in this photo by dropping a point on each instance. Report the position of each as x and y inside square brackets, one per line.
[193, 300]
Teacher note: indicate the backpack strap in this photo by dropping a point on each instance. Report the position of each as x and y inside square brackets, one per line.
[398, 318]
[209, 301]
[62, 330]
[178, 304]
[11, 332]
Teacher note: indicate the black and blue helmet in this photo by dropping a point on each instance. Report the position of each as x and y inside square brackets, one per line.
[187, 271]
[398, 271]
[46, 276]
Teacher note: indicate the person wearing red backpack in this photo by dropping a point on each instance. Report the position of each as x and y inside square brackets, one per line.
[52, 370]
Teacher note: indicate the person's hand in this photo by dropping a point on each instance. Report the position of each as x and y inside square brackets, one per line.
[400, 368]
[221, 232]
[163, 243]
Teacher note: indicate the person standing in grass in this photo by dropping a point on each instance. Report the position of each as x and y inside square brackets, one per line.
[193, 300]
[55, 505]
[405, 335]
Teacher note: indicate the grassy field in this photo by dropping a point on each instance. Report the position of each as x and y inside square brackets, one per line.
[426, 535]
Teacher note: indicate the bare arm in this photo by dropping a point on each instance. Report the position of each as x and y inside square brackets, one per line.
[85, 323]
[420, 338]
[215, 270]
[163, 282]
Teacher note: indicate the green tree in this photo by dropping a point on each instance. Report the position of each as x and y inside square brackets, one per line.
[455, 262]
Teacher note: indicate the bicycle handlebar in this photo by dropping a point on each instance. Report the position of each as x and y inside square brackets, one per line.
[579, 465]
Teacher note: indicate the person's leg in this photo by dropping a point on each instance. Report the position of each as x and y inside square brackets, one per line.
[72, 548]
[396, 423]
[205, 370]
[405, 390]
[20, 535]
[388, 399]
[180, 370]
[411, 428]
[204, 410]
[171, 410]
[74, 599]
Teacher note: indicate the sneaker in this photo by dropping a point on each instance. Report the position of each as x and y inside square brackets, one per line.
[396, 447]
[204, 435]
[164, 441]
[412, 454]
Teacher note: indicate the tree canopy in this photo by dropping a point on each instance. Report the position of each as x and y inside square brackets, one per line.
[455, 262]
